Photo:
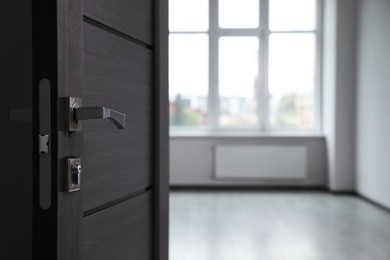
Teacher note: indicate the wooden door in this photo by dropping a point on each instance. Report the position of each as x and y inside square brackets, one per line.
[110, 54]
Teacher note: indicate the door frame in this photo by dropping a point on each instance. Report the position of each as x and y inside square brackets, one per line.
[44, 31]
[161, 149]
[58, 52]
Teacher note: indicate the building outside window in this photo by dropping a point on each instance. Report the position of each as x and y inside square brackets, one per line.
[244, 65]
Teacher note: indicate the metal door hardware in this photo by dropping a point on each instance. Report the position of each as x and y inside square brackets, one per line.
[76, 113]
[72, 174]
[43, 143]
[44, 124]
[44, 131]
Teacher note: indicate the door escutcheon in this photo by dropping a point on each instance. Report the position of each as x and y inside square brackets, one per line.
[72, 174]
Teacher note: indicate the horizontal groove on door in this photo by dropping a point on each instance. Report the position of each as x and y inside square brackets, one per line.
[122, 232]
[116, 32]
[117, 74]
[132, 17]
[117, 201]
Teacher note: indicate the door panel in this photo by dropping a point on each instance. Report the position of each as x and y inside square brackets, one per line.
[110, 54]
[133, 18]
[118, 75]
[122, 232]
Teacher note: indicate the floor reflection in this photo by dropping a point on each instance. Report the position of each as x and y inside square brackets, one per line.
[241, 225]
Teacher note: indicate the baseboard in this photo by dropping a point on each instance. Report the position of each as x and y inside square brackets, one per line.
[340, 192]
[376, 204]
[245, 188]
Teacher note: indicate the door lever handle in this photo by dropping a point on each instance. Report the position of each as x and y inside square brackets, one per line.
[75, 113]
[87, 113]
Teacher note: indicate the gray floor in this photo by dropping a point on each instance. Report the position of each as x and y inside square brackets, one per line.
[240, 225]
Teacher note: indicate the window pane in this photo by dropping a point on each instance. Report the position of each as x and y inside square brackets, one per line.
[238, 13]
[188, 15]
[188, 79]
[238, 70]
[292, 72]
[292, 15]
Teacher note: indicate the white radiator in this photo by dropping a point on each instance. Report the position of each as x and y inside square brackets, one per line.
[260, 162]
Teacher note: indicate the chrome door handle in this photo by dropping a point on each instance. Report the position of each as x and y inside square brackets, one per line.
[87, 113]
[76, 113]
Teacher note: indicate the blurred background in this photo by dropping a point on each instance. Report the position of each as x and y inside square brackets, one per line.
[278, 129]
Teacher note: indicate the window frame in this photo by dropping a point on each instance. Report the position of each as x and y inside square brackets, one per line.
[262, 32]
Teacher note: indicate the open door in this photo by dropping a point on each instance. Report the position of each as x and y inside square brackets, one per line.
[100, 86]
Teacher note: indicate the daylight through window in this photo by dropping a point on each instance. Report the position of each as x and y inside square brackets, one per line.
[244, 64]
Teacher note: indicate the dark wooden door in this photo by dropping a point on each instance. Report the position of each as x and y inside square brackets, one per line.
[109, 54]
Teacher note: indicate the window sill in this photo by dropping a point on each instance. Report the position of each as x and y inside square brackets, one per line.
[244, 134]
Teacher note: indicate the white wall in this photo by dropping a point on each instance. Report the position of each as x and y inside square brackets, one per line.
[192, 161]
[332, 159]
[339, 90]
[373, 102]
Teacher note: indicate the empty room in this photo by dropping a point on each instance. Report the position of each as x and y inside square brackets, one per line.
[279, 144]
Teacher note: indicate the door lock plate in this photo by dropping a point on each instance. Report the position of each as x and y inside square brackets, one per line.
[72, 174]
[44, 144]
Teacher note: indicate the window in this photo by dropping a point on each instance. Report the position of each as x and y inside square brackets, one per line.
[244, 64]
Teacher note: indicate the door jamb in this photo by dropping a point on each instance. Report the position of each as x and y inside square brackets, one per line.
[44, 27]
[161, 126]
